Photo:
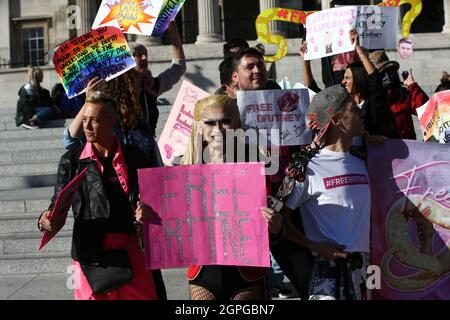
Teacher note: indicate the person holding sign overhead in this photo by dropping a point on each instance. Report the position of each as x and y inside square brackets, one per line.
[107, 251]
[362, 81]
[150, 87]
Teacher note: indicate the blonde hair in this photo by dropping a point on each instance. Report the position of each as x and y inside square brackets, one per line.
[35, 76]
[103, 99]
[194, 150]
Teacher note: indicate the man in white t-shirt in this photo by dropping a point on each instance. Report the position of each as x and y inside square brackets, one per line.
[333, 193]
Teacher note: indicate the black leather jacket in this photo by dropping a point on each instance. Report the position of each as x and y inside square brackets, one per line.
[90, 206]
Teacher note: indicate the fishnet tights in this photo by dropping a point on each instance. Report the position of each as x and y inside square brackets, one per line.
[255, 292]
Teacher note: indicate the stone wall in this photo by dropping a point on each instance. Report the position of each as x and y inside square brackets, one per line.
[431, 57]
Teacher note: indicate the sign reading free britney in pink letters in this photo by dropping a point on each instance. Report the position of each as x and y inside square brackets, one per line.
[206, 215]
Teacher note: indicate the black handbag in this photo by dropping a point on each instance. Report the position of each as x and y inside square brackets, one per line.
[111, 272]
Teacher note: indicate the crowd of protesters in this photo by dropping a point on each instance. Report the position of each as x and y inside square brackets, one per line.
[319, 236]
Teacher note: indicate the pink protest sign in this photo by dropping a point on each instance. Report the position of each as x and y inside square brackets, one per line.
[205, 215]
[175, 135]
[411, 219]
[59, 213]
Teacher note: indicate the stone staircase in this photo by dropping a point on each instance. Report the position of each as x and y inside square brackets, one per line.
[28, 164]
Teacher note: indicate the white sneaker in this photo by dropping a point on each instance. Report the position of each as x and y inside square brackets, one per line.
[29, 126]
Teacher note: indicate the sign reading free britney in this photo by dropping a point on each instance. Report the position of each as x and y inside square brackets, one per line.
[205, 215]
[103, 53]
[283, 110]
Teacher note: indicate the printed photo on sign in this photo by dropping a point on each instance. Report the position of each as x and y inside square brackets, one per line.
[405, 48]
[282, 110]
[377, 27]
[327, 32]
[175, 136]
[131, 16]
[205, 215]
[103, 53]
[410, 219]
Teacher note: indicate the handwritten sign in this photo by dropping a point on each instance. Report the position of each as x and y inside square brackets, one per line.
[168, 12]
[103, 52]
[58, 216]
[205, 214]
[411, 219]
[131, 16]
[328, 32]
[377, 27]
[299, 17]
[283, 110]
[434, 118]
[177, 130]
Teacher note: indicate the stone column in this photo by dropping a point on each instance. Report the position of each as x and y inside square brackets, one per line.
[274, 26]
[326, 4]
[446, 27]
[87, 8]
[208, 21]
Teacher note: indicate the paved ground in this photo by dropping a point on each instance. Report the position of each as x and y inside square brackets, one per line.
[54, 286]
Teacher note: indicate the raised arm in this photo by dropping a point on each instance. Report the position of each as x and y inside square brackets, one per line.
[368, 65]
[76, 126]
[308, 77]
[173, 74]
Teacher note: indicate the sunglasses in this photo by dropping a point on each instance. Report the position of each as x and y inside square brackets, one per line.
[214, 123]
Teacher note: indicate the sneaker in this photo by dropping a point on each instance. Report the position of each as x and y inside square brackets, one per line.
[281, 292]
[29, 126]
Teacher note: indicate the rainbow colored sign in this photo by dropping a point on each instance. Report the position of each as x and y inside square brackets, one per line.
[168, 13]
[103, 53]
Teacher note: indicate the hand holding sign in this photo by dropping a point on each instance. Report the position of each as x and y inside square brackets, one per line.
[299, 17]
[102, 53]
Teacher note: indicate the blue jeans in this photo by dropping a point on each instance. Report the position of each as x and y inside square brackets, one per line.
[276, 275]
[45, 113]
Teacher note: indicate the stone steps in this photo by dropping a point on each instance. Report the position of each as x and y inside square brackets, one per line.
[53, 155]
[19, 144]
[38, 133]
[28, 181]
[30, 168]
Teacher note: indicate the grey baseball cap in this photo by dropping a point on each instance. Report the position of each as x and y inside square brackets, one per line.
[326, 103]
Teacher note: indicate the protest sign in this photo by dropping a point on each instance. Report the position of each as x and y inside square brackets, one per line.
[59, 213]
[177, 130]
[283, 110]
[131, 16]
[205, 215]
[410, 219]
[434, 118]
[295, 16]
[103, 53]
[168, 12]
[328, 32]
[377, 27]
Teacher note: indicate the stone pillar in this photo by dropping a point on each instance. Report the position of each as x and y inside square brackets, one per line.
[446, 27]
[88, 12]
[275, 27]
[208, 21]
[326, 4]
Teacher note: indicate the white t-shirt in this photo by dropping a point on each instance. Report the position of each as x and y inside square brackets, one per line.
[334, 200]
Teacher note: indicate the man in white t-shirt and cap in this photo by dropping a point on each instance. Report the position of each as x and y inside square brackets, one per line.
[331, 188]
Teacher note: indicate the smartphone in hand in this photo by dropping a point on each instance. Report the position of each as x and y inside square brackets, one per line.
[405, 75]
